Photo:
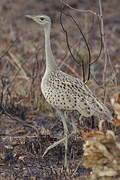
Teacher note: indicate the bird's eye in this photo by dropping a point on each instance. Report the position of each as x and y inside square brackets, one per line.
[41, 18]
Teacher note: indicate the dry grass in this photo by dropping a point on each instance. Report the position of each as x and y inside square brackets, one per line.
[27, 123]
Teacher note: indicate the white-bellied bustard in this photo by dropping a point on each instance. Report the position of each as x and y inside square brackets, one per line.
[63, 91]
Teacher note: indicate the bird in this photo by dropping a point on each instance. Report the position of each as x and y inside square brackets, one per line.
[63, 91]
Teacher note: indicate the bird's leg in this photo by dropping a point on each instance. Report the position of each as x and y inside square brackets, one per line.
[63, 140]
[53, 145]
[81, 120]
[74, 127]
[64, 119]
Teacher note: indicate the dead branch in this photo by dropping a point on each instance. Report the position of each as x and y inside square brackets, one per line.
[13, 59]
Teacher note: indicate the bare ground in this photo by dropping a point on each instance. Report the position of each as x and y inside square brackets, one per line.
[28, 125]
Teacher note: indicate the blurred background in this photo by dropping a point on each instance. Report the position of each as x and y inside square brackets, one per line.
[27, 123]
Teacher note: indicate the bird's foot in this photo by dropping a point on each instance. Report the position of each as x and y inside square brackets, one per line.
[63, 140]
[54, 145]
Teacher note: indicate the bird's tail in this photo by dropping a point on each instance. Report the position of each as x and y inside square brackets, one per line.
[104, 110]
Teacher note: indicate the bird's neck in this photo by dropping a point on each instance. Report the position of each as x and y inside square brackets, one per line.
[50, 61]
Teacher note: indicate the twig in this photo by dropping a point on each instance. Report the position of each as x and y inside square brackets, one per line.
[89, 61]
[19, 120]
[89, 54]
[67, 40]
[114, 72]
[101, 44]
[6, 51]
[18, 65]
[82, 11]
[104, 48]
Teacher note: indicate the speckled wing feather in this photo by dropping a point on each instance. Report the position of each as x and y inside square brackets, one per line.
[70, 93]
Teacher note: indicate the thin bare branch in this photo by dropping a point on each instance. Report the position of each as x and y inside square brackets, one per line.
[89, 54]
[101, 44]
[104, 48]
[98, 17]
[79, 10]
[7, 50]
[23, 123]
[67, 40]
[13, 59]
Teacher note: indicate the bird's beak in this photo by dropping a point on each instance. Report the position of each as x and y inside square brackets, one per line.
[29, 16]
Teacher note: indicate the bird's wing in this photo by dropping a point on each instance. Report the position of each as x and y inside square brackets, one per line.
[81, 90]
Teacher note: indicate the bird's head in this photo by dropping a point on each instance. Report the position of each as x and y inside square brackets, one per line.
[43, 20]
